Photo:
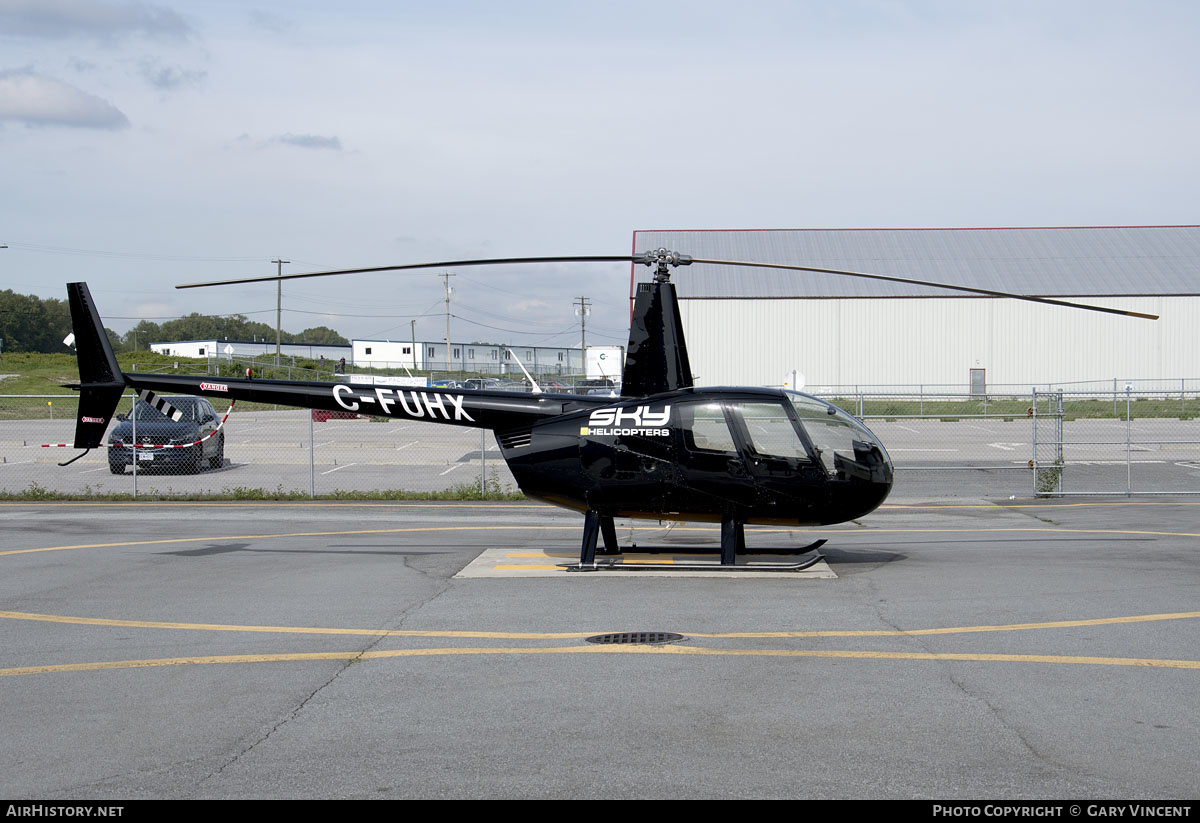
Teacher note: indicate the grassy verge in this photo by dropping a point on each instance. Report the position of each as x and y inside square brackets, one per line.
[1014, 407]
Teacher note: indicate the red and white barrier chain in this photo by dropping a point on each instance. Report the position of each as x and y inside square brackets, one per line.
[153, 445]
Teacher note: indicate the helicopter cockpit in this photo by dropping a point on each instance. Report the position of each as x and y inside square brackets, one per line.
[780, 435]
[845, 447]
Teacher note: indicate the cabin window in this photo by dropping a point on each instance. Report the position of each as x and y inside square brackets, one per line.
[560, 357]
[470, 354]
[406, 350]
[705, 429]
[431, 351]
[201, 354]
[456, 354]
[770, 430]
[368, 349]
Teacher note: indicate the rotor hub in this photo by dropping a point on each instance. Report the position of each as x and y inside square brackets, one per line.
[664, 259]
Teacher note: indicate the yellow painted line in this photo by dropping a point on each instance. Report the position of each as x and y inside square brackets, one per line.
[217, 627]
[596, 649]
[415, 529]
[1107, 504]
[1012, 627]
[222, 538]
[525, 568]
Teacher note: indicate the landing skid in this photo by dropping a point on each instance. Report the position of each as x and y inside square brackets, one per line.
[597, 526]
[608, 564]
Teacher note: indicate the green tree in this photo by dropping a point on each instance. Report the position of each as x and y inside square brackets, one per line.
[322, 336]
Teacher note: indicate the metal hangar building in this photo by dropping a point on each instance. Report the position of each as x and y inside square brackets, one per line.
[755, 326]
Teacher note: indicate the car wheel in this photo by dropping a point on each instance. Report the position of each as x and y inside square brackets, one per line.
[218, 459]
[115, 467]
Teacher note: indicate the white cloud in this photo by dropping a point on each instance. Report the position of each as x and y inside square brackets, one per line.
[36, 100]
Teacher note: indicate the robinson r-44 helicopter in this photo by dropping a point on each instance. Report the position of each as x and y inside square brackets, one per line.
[664, 450]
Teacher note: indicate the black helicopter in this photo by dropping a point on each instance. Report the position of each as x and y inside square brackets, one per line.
[663, 450]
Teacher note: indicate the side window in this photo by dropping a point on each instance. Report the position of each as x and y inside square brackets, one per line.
[704, 428]
[770, 430]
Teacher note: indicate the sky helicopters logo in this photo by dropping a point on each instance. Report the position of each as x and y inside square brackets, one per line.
[641, 421]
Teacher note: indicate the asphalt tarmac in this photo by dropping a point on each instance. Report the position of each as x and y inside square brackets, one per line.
[961, 649]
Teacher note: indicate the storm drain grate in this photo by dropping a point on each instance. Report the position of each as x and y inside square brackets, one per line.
[635, 637]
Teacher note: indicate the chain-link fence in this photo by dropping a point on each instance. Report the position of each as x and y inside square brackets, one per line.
[259, 450]
[946, 445]
[1136, 442]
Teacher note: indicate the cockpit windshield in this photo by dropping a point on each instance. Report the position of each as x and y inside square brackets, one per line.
[833, 433]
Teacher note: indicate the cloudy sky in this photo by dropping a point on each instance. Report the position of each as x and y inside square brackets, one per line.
[146, 144]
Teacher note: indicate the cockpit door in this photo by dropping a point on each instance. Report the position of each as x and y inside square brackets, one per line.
[779, 460]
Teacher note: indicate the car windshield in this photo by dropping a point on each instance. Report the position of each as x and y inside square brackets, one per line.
[187, 405]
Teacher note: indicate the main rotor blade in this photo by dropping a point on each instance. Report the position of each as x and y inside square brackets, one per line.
[500, 261]
[990, 293]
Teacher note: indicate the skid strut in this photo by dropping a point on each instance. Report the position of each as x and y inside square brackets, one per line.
[599, 527]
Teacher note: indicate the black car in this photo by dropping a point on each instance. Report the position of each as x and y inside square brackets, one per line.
[155, 428]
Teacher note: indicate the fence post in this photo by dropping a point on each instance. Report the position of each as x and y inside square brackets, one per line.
[1128, 440]
[482, 463]
[1033, 408]
[312, 459]
[133, 454]
[1060, 460]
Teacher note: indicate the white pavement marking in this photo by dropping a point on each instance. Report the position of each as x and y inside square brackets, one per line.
[398, 429]
[907, 429]
[452, 468]
[406, 445]
[890, 451]
[339, 468]
[980, 428]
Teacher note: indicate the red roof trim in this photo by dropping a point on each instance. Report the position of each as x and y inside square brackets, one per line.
[636, 232]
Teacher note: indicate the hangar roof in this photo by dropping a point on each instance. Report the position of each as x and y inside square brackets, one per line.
[1052, 261]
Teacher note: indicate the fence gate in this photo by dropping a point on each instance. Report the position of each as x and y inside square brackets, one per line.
[1048, 461]
[1123, 442]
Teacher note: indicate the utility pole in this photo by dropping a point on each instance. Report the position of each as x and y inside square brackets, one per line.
[583, 308]
[447, 277]
[278, 302]
[413, 324]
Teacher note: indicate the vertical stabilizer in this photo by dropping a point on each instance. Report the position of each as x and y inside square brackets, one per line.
[657, 360]
[100, 380]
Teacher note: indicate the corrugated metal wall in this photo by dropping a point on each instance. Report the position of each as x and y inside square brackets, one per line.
[937, 341]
